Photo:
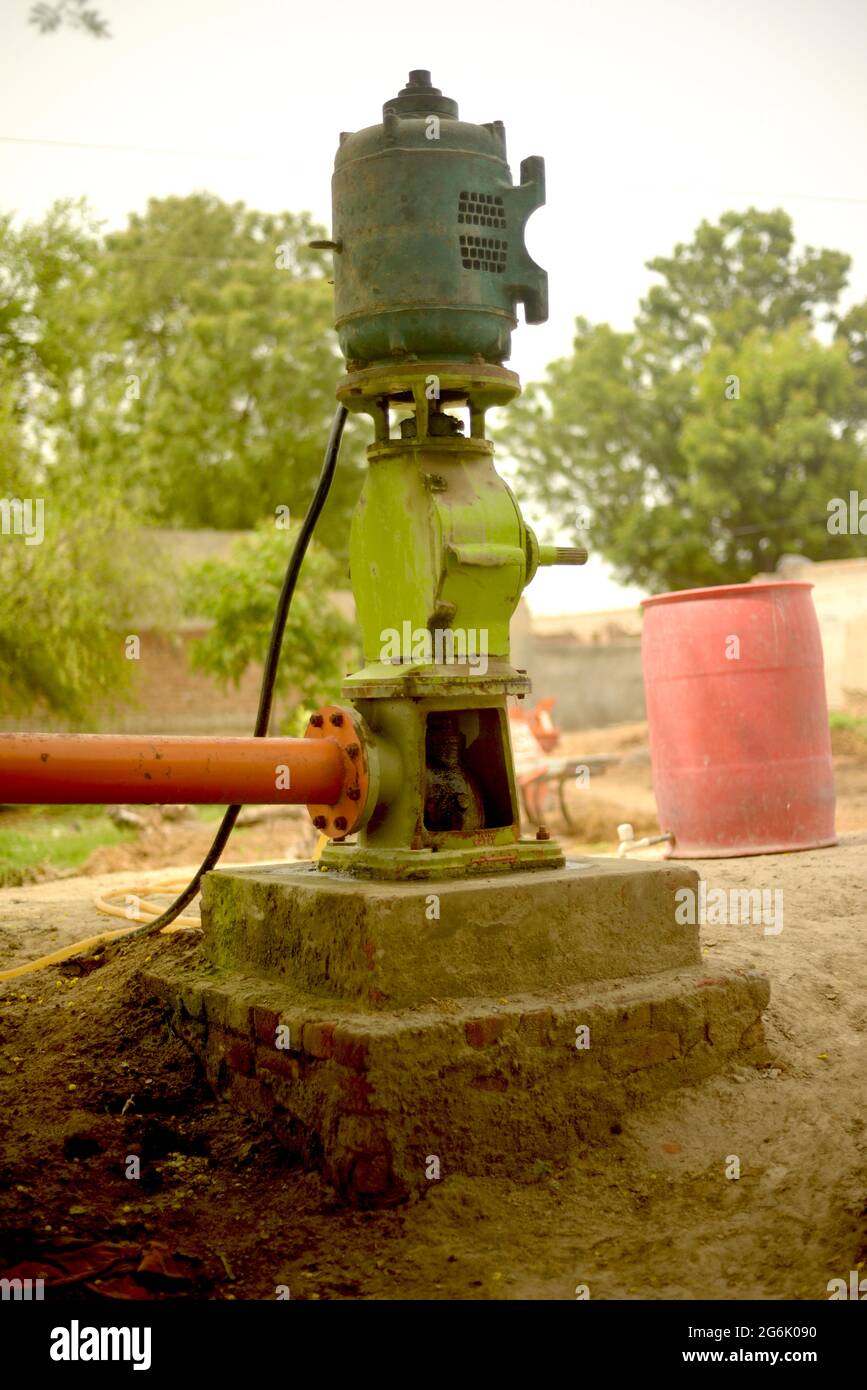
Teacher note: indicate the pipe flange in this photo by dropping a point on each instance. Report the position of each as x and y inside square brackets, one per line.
[344, 727]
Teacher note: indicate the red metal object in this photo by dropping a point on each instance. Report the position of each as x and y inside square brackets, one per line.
[738, 719]
[542, 725]
[81, 769]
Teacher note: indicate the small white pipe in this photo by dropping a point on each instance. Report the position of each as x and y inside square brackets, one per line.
[626, 836]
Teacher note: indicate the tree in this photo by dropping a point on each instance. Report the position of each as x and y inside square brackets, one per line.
[74, 13]
[709, 439]
[70, 591]
[240, 594]
[71, 586]
[210, 366]
[169, 374]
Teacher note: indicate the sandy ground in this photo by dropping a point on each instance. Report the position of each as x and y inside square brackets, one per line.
[89, 1074]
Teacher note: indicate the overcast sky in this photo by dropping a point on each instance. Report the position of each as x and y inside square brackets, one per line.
[650, 115]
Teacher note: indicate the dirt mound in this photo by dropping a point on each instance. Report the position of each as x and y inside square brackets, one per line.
[34, 873]
[849, 743]
[91, 1078]
[162, 842]
[595, 821]
[91, 1074]
[615, 738]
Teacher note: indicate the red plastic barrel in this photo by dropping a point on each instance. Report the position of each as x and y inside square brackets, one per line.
[739, 736]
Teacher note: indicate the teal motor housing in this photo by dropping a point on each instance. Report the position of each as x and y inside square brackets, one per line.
[428, 236]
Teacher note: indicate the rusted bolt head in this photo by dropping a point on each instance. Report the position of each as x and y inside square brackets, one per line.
[542, 833]
[336, 719]
[354, 794]
[320, 822]
[317, 721]
[340, 823]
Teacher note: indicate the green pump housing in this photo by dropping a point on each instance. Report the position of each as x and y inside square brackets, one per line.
[457, 559]
[428, 235]
[429, 267]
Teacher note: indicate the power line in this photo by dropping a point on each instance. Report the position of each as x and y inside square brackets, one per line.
[716, 191]
[195, 260]
[260, 154]
[777, 525]
[131, 149]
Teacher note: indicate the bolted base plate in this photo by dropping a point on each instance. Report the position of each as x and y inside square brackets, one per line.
[481, 384]
[428, 865]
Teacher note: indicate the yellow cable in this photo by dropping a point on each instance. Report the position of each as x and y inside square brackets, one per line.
[65, 951]
[102, 904]
[145, 913]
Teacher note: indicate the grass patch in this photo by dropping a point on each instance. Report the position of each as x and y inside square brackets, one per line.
[838, 720]
[36, 838]
[210, 813]
[848, 735]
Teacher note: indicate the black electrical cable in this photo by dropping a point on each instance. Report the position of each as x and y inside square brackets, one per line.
[269, 675]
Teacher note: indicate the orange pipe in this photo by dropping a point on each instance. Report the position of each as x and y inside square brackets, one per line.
[95, 769]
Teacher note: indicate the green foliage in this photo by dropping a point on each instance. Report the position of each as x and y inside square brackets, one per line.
[179, 357]
[65, 603]
[46, 270]
[709, 439]
[239, 596]
[840, 719]
[75, 13]
[67, 600]
[235, 361]
[736, 276]
[168, 374]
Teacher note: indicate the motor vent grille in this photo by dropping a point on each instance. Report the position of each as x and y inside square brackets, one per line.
[481, 210]
[483, 253]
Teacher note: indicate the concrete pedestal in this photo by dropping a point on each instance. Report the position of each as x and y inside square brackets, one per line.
[395, 1032]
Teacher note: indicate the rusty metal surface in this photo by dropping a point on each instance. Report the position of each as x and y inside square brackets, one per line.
[343, 728]
[428, 234]
[419, 866]
[452, 798]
